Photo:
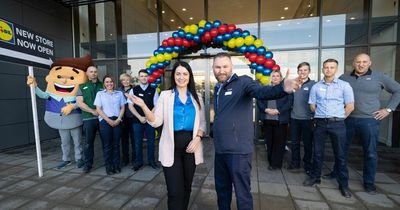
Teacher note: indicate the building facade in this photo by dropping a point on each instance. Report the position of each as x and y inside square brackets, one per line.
[121, 35]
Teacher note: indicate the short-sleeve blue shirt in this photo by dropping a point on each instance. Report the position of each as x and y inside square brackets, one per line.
[184, 113]
[330, 98]
[110, 103]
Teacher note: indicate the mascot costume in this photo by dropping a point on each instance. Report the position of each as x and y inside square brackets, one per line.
[62, 112]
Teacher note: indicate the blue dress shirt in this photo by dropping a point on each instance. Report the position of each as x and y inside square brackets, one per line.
[330, 98]
[184, 113]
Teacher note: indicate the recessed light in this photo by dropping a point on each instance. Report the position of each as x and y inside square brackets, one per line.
[163, 12]
[328, 21]
[179, 27]
[352, 18]
[309, 36]
[309, 5]
[172, 20]
[183, 9]
[298, 23]
[191, 18]
[165, 34]
[311, 14]
[279, 24]
[282, 18]
[286, 8]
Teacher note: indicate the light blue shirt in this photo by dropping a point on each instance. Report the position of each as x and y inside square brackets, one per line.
[184, 113]
[110, 103]
[330, 98]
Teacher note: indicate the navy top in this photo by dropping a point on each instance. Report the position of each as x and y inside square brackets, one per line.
[184, 113]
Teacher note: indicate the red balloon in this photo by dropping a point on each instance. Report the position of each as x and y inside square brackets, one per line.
[193, 43]
[186, 43]
[164, 43]
[207, 36]
[151, 79]
[260, 59]
[239, 29]
[231, 28]
[214, 32]
[247, 54]
[156, 74]
[252, 57]
[161, 71]
[269, 63]
[178, 41]
[223, 29]
[276, 67]
[171, 41]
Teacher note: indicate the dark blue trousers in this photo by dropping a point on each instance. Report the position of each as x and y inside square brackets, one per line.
[110, 137]
[138, 129]
[127, 136]
[233, 169]
[336, 130]
[301, 130]
[90, 127]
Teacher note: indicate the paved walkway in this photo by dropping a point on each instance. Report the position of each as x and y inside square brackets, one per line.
[20, 187]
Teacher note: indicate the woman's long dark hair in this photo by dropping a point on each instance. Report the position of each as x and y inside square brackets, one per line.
[191, 85]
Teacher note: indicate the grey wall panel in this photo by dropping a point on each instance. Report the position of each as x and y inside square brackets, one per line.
[45, 132]
[13, 135]
[13, 111]
[11, 68]
[16, 84]
[11, 10]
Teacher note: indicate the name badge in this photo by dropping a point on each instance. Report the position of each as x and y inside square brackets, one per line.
[322, 89]
[368, 78]
[85, 87]
[140, 94]
[228, 93]
[306, 88]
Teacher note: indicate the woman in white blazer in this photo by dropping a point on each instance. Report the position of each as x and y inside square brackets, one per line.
[181, 111]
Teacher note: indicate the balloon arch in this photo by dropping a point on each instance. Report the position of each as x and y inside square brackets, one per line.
[215, 34]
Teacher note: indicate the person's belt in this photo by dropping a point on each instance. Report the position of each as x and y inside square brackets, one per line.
[331, 119]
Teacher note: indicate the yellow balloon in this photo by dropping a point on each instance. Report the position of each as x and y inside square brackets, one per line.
[258, 43]
[158, 89]
[239, 42]
[187, 29]
[264, 80]
[174, 54]
[231, 43]
[167, 56]
[148, 63]
[160, 58]
[249, 40]
[225, 43]
[153, 60]
[202, 23]
[193, 29]
[259, 76]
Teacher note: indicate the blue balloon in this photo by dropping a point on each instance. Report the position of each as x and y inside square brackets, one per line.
[158, 80]
[219, 38]
[153, 67]
[224, 48]
[160, 65]
[155, 52]
[153, 85]
[149, 71]
[181, 33]
[176, 49]
[168, 49]
[251, 48]
[189, 36]
[243, 49]
[245, 33]
[253, 65]
[166, 63]
[175, 34]
[260, 68]
[269, 54]
[217, 23]
[207, 26]
[161, 50]
[266, 71]
[200, 31]
[227, 36]
[196, 38]
[261, 50]
[236, 33]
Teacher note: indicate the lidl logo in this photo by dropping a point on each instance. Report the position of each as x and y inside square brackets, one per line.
[6, 32]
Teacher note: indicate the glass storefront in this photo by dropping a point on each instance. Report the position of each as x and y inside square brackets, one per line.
[121, 35]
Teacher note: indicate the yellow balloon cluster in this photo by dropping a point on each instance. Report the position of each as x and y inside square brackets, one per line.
[264, 80]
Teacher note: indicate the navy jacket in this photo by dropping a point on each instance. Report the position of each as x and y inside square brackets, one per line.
[233, 127]
[284, 106]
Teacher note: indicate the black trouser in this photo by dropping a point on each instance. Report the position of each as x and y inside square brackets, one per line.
[179, 176]
[126, 136]
[275, 138]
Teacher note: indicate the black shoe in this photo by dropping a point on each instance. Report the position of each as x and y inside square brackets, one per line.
[271, 168]
[308, 172]
[330, 175]
[86, 169]
[117, 170]
[109, 171]
[345, 192]
[154, 165]
[311, 182]
[137, 167]
[370, 189]
[292, 167]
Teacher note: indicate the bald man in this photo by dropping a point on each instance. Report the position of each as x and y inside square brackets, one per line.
[364, 121]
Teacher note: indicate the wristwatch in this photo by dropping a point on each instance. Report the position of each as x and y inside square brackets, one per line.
[388, 110]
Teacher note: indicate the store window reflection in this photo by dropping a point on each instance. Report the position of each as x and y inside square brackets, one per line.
[384, 21]
[104, 47]
[335, 53]
[84, 36]
[291, 59]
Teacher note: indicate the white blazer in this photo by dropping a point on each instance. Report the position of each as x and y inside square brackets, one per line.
[163, 113]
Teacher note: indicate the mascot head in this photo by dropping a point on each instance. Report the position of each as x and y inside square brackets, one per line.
[66, 74]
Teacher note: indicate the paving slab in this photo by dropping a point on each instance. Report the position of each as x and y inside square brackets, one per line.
[37, 204]
[86, 197]
[107, 183]
[304, 193]
[378, 200]
[111, 201]
[274, 189]
[396, 198]
[333, 195]
[390, 188]
[273, 203]
[62, 193]
[141, 203]
[39, 190]
[129, 187]
[145, 174]
[311, 205]
[13, 202]
[19, 186]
